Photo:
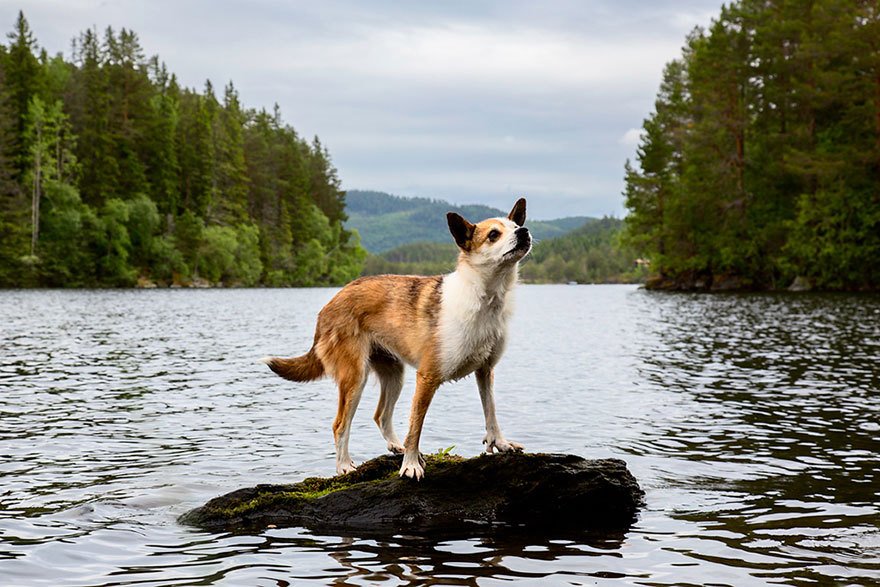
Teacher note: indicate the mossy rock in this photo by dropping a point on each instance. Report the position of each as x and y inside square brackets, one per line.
[552, 491]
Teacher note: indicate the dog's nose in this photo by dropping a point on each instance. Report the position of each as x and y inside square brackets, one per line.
[522, 233]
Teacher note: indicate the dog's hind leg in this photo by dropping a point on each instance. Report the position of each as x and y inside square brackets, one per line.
[351, 379]
[390, 372]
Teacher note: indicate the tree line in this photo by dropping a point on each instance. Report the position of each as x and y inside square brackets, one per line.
[111, 173]
[760, 163]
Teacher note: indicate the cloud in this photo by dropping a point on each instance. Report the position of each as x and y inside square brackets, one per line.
[462, 100]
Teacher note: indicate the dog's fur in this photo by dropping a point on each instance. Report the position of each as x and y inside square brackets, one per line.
[445, 326]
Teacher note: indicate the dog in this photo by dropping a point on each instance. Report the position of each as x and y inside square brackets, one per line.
[446, 326]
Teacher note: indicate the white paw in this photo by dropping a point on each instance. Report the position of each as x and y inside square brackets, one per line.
[412, 467]
[343, 468]
[396, 448]
[500, 444]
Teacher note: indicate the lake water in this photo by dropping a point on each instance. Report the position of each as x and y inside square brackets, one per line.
[751, 421]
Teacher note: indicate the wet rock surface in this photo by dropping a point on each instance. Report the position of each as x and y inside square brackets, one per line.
[550, 491]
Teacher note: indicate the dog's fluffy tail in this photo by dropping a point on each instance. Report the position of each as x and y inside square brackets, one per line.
[305, 368]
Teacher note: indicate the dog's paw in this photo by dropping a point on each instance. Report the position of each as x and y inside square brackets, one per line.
[413, 467]
[396, 448]
[343, 468]
[500, 444]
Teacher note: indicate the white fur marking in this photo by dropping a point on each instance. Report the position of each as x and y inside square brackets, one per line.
[476, 303]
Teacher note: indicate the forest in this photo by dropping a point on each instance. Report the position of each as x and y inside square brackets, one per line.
[759, 167]
[112, 174]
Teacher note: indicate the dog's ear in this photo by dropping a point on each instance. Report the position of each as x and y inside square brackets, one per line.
[462, 230]
[518, 212]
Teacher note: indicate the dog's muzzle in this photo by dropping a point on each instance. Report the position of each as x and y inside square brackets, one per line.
[523, 243]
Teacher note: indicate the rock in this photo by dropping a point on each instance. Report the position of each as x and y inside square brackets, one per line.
[800, 284]
[551, 491]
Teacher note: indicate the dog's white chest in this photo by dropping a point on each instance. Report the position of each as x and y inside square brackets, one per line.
[472, 326]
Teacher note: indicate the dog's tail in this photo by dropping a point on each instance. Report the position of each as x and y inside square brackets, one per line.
[308, 367]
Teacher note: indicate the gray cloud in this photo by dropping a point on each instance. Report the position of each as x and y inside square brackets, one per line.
[468, 101]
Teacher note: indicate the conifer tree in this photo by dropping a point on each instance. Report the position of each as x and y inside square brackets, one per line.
[22, 77]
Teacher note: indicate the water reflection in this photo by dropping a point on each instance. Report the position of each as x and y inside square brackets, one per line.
[781, 432]
[751, 421]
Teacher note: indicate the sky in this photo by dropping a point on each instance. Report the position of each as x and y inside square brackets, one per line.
[471, 102]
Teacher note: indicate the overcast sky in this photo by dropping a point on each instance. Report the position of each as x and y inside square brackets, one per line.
[473, 102]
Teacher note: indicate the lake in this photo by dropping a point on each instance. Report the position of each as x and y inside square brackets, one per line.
[751, 421]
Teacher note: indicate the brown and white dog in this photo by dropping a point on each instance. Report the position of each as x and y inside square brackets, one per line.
[446, 326]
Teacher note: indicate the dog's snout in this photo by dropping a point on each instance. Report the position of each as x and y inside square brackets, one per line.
[522, 234]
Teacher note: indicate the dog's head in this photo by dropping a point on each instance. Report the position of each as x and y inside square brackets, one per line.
[493, 242]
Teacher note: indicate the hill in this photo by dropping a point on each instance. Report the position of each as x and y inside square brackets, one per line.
[589, 254]
[385, 221]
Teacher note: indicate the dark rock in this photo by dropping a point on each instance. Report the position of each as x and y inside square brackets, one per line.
[551, 491]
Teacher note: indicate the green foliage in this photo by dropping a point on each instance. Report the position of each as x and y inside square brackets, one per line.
[143, 225]
[386, 221]
[761, 160]
[66, 237]
[111, 173]
[230, 255]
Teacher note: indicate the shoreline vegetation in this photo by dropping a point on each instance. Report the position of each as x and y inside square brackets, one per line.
[111, 174]
[759, 168]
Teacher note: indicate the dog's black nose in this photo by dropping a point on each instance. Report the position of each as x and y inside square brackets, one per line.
[522, 236]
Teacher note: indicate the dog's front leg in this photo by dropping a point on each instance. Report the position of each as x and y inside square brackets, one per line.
[494, 440]
[413, 464]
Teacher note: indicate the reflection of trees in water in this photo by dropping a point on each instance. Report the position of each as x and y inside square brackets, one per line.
[769, 430]
[451, 561]
[781, 383]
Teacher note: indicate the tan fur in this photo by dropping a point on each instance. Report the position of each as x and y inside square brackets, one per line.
[379, 323]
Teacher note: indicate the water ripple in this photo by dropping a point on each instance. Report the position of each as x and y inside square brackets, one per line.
[752, 422]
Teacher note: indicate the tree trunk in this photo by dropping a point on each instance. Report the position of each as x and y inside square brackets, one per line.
[35, 203]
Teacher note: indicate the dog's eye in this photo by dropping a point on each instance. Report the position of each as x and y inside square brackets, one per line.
[493, 235]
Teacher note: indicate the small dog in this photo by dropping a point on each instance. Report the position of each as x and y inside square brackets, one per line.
[446, 326]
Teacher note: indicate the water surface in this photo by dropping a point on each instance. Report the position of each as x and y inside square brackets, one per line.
[751, 421]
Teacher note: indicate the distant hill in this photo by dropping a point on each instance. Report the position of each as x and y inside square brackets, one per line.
[589, 254]
[385, 221]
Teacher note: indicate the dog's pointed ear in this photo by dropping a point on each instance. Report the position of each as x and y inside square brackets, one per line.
[462, 230]
[518, 212]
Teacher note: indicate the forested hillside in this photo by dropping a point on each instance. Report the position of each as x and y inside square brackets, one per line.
[111, 172]
[589, 254]
[385, 221]
[761, 161]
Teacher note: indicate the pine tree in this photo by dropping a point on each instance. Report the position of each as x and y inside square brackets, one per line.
[22, 83]
[230, 203]
[90, 114]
